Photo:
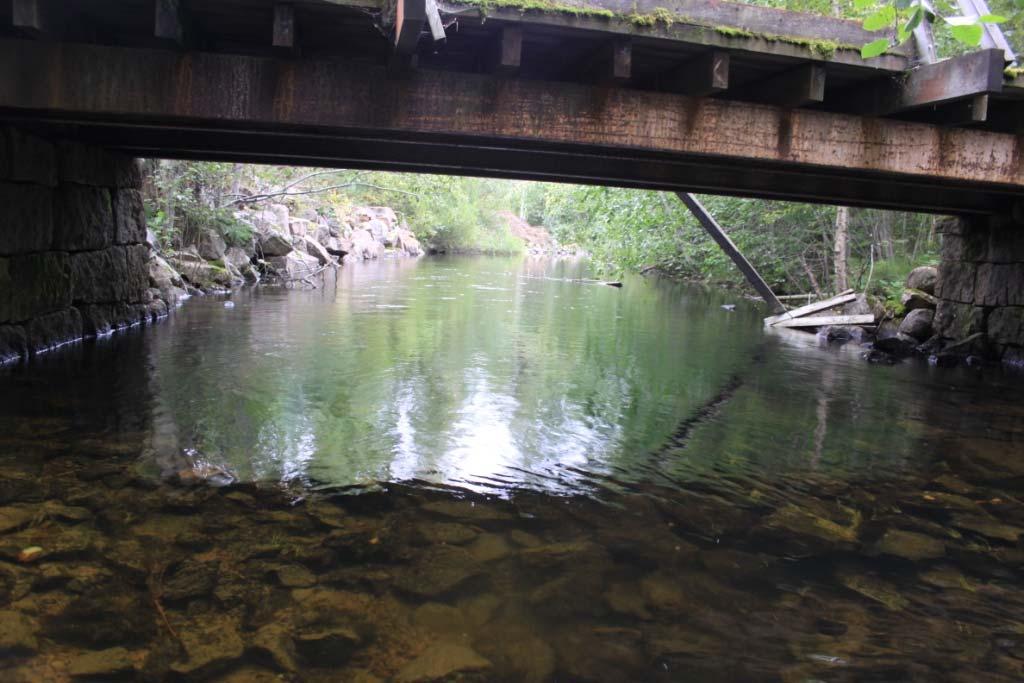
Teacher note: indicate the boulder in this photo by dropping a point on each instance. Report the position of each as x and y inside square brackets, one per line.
[924, 278]
[377, 228]
[914, 299]
[316, 250]
[294, 266]
[364, 246]
[273, 243]
[842, 334]
[918, 324]
[900, 346]
[406, 242]
[300, 227]
[282, 215]
[236, 257]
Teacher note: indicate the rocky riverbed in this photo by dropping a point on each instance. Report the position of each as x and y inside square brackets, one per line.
[276, 248]
[109, 574]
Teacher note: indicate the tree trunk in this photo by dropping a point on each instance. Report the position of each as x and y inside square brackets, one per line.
[840, 248]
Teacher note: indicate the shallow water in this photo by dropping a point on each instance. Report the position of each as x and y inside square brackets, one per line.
[481, 469]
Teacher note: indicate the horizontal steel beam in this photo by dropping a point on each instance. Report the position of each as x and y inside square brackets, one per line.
[218, 106]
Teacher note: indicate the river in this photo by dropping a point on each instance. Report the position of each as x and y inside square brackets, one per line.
[490, 469]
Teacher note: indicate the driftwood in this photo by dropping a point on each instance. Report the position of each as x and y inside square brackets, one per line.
[823, 320]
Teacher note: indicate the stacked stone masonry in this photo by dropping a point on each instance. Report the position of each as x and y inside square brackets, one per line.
[73, 253]
[981, 286]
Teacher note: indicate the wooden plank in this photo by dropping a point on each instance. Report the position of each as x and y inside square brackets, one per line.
[507, 51]
[822, 320]
[434, 21]
[957, 78]
[168, 25]
[702, 76]
[715, 230]
[838, 300]
[284, 26]
[794, 88]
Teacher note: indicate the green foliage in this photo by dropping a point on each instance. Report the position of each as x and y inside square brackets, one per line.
[540, 6]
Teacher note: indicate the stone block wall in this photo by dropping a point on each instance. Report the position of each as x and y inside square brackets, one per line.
[981, 286]
[73, 253]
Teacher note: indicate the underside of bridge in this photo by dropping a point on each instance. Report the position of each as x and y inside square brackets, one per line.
[702, 97]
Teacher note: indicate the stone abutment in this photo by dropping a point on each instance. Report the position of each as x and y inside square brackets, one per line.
[73, 252]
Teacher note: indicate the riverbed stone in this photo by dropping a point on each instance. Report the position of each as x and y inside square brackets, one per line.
[17, 633]
[13, 518]
[276, 642]
[328, 647]
[210, 643]
[910, 545]
[112, 662]
[439, 570]
[295, 576]
[442, 662]
[191, 579]
[918, 324]
[445, 533]
[988, 527]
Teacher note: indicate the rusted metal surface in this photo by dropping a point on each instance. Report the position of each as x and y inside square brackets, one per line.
[494, 126]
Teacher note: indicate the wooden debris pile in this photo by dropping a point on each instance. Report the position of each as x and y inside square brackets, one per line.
[802, 317]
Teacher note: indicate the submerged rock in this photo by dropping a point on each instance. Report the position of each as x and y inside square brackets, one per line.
[113, 661]
[13, 518]
[918, 324]
[191, 579]
[211, 643]
[988, 527]
[275, 641]
[328, 647]
[17, 633]
[439, 570]
[910, 545]
[441, 662]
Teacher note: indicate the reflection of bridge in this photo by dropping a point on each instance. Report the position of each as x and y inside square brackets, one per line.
[710, 97]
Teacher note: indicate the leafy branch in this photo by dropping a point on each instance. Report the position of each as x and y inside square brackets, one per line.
[904, 16]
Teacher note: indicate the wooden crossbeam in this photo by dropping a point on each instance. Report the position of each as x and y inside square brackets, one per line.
[794, 88]
[507, 53]
[701, 76]
[616, 63]
[168, 25]
[32, 18]
[410, 15]
[957, 78]
[284, 27]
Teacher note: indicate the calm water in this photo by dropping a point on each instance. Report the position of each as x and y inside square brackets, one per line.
[483, 469]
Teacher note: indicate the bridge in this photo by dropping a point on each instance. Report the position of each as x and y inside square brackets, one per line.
[684, 95]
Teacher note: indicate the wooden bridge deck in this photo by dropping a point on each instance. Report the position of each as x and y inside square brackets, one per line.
[705, 96]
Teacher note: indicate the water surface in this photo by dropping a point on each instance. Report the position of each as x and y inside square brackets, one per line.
[488, 469]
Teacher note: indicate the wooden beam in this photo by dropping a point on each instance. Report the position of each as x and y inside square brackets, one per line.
[507, 51]
[168, 25]
[790, 89]
[434, 21]
[957, 78]
[823, 320]
[410, 16]
[838, 300]
[610, 64]
[715, 230]
[284, 27]
[32, 18]
[510, 127]
[969, 112]
[701, 76]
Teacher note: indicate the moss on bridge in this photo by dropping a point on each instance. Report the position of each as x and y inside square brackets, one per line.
[659, 16]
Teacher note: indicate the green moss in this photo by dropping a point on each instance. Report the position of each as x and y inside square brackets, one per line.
[1014, 71]
[548, 6]
[660, 16]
